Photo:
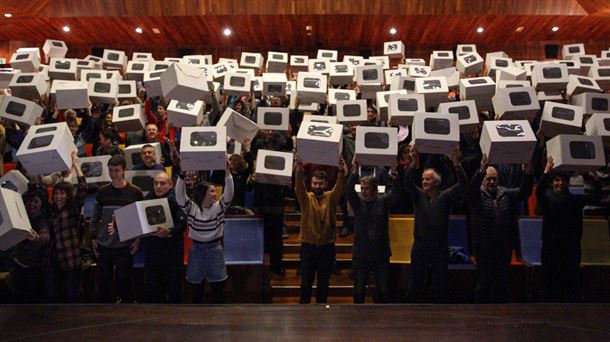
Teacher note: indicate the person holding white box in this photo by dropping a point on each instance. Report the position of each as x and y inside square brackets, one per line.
[206, 227]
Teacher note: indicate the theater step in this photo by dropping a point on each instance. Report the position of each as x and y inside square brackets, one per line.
[342, 245]
[287, 289]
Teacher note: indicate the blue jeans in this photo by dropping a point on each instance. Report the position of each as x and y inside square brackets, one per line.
[206, 262]
[320, 259]
[62, 286]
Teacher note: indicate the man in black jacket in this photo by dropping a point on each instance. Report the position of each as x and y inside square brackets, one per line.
[164, 249]
[493, 214]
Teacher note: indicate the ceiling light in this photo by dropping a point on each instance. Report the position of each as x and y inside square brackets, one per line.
[519, 29]
[138, 29]
[480, 30]
[308, 28]
[392, 31]
[555, 29]
[8, 15]
[227, 32]
[66, 29]
[156, 30]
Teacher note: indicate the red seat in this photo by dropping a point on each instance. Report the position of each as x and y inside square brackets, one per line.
[8, 167]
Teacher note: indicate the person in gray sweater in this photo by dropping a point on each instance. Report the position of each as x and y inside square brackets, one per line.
[432, 207]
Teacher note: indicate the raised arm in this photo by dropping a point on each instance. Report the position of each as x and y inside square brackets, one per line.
[350, 191]
[339, 187]
[475, 183]
[227, 193]
[544, 181]
[300, 189]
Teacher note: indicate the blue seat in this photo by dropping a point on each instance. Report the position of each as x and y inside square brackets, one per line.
[458, 239]
[530, 240]
[244, 241]
[139, 259]
[89, 205]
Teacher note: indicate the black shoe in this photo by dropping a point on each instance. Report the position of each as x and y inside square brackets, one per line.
[344, 232]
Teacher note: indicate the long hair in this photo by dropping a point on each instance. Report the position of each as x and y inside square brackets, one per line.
[68, 188]
[200, 191]
[42, 195]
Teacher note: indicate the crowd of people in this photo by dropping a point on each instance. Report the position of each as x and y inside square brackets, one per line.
[47, 265]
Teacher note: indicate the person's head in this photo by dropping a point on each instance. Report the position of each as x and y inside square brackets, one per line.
[148, 155]
[237, 163]
[430, 180]
[108, 119]
[490, 182]
[73, 125]
[106, 138]
[352, 130]
[116, 167]
[62, 194]
[371, 115]
[318, 182]
[35, 201]
[560, 182]
[205, 194]
[151, 132]
[238, 106]
[142, 94]
[368, 188]
[162, 110]
[276, 101]
[162, 184]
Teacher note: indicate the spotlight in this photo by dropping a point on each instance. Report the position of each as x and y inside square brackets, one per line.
[555, 29]
[138, 29]
[227, 32]
[66, 29]
[480, 30]
[392, 31]
[8, 15]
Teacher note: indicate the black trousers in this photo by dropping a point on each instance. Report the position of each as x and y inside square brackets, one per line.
[362, 268]
[493, 266]
[164, 280]
[114, 263]
[560, 270]
[428, 263]
[316, 259]
[274, 243]
[29, 284]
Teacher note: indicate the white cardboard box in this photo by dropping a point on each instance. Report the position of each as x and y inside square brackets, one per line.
[508, 141]
[369, 75]
[114, 59]
[601, 74]
[136, 70]
[592, 102]
[394, 49]
[464, 49]
[143, 179]
[274, 84]
[471, 88]
[21, 111]
[572, 65]
[25, 61]
[103, 91]
[158, 65]
[412, 61]
[352, 112]
[127, 90]
[320, 143]
[419, 71]
[576, 152]
[219, 70]
[62, 68]
[95, 170]
[340, 94]
[391, 73]
[516, 103]
[87, 75]
[197, 60]
[434, 89]
[142, 56]
[466, 111]
[7, 75]
[184, 83]
[55, 48]
[559, 118]
[274, 167]
[142, 218]
[14, 180]
[238, 126]
[30, 86]
[451, 74]
[402, 108]
[320, 119]
[96, 60]
[383, 60]
[581, 84]
[276, 61]
[376, 145]
[512, 84]
[550, 95]
[273, 118]
[586, 62]
[133, 156]
[353, 60]
[82, 64]
[599, 125]
[257, 86]
[128, 118]
[71, 94]
[237, 84]
[549, 76]
[510, 73]
[403, 82]
[311, 87]
[183, 114]
[203, 148]
[14, 221]
[233, 148]
[231, 62]
[435, 133]
[251, 60]
[569, 50]
[47, 149]
[174, 60]
[152, 83]
[331, 55]
[495, 63]
[319, 65]
[441, 59]
[383, 99]
[299, 63]
[341, 73]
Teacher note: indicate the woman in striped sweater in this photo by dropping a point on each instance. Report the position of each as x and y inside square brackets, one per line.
[206, 217]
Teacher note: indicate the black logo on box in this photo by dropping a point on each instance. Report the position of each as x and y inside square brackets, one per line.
[508, 130]
[299, 60]
[586, 60]
[275, 163]
[22, 57]
[7, 185]
[312, 83]
[126, 112]
[136, 159]
[101, 87]
[466, 49]
[319, 66]
[320, 131]
[327, 54]
[204, 139]
[478, 81]
[443, 54]
[585, 81]
[124, 88]
[351, 110]
[250, 59]
[155, 215]
[288, 86]
[408, 85]
[63, 65]
[370, 74]
[46, 129]
[81, 63]
[432, 84]
[341, 96]
[340, 68]
[137, 67]
[161, 66]
[599, 104]
[551, 73]
[222, 68]
[501, 63]
[605, 72]
[582, 150]
[569, 64]
[470, 59]
[437, 126]
[521, 98]
[39, 142]
[574, 49]
[376, 140]
[113, 56]
[275, 88]
[607, 124]
[463, 112]
[237, 81]
[354, 61]
[273, 118]
[420, 71]
[156, 74]
[93, 75]
[184, 105]
[57, 44]
[393, 47]
[92, 169]
[407, 105]
[277, 56]
[25, 79]
[15, 108]
[514, 85]
[563, 113]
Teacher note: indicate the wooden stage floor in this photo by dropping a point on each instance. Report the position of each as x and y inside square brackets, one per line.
[533, 322]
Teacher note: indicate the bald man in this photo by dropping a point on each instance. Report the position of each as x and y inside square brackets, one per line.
[493, 217]
[164, 249]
